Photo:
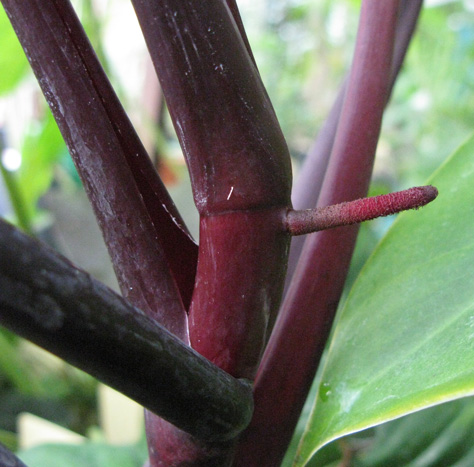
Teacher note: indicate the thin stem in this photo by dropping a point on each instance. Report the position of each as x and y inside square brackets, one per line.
[353, 212]
[308, 185]
[64, 310]
[406, 26]
[234, 9]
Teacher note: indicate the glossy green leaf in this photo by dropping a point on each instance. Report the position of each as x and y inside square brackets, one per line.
[13, 63]
[405, 337]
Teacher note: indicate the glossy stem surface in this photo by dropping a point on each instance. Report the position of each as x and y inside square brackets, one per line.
[234, 9]
[45, 299]
[293, 353]
[238, 287]
[240, 172]
[234, 148]
[102, 144]
[239, 164]
[175, 447]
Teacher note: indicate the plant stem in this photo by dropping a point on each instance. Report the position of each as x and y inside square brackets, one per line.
[129, 200]
[353, 212]
[64, 310]
[308, 185]
[296, 345]
[234, 9]
[241, 175]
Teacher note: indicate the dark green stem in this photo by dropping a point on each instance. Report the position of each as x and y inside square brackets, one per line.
[45, 299]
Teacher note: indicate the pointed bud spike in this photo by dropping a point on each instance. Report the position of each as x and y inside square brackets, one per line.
[353, 212]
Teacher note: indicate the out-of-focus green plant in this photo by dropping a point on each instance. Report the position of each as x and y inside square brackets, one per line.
[419, 91]
[13, 64]
[296, 65]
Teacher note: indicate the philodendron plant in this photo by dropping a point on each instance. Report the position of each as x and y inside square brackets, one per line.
[202, 337]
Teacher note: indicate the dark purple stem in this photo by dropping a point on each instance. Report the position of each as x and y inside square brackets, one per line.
[226, 125]
[308, 185]
[234, 9]
[180, 250]
[241, 176]
[310, 180]
[407, 21]
[291, 358]
[131, 205]
[219, 106]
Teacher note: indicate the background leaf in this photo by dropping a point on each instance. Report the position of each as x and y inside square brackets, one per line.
[13, 64]
[43, 147]
[90, 454]
[404, 340]
[442, 435]
[436, 437]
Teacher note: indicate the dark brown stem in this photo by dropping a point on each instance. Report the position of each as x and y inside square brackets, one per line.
[45, 299]
[360, 210]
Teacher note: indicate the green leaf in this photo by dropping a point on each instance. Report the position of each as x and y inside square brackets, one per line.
[84, 455]
[43, 147]
[13, 63]
[14, 368]
[439, 436]
[8, 439]
[405, 337]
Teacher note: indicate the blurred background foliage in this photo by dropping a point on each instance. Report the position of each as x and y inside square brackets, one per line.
[303, 49]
